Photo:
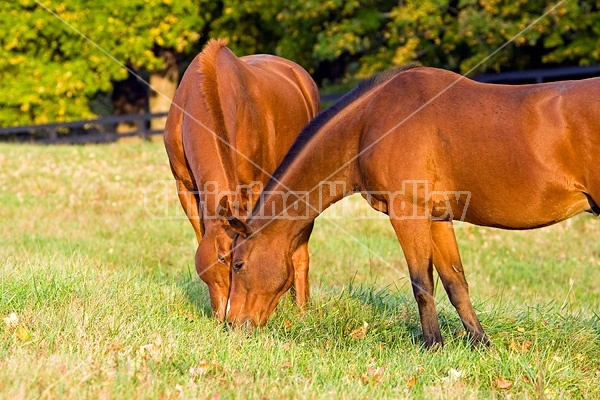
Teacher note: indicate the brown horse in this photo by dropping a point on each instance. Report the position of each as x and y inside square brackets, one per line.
[231, 122]
[426, 146]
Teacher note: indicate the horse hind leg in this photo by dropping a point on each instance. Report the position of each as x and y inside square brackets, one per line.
[448, 264]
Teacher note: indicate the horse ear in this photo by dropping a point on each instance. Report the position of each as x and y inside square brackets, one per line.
[237, 226]
[231, 223]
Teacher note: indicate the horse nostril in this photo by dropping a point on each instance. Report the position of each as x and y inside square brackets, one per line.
[244, 324]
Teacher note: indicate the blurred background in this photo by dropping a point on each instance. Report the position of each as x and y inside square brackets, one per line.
[50, 73]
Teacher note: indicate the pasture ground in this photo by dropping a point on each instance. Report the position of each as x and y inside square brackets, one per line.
[97, 267]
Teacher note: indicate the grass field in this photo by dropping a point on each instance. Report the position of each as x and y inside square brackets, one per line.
[97, 267]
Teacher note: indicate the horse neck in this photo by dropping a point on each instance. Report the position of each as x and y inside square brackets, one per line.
[323, 171]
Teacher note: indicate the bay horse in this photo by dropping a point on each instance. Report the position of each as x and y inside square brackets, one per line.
[426, 146]
[231, 122]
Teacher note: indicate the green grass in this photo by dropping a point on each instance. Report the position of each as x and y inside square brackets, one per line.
[109, 305]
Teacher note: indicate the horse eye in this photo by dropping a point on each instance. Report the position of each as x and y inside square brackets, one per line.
[221, 258]
[238, 266]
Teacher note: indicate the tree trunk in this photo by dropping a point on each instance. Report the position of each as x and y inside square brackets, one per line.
[129, 96]
[163, 86]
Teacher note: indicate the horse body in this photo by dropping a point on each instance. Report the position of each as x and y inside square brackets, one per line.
[258, 104]
[427, 147]
[524, 153]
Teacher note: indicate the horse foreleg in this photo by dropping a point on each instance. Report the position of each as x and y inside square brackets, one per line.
[446, 259]
[300, 259]
[414, 235]
[189, 203]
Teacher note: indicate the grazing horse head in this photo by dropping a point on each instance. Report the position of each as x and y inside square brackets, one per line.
[260, 277]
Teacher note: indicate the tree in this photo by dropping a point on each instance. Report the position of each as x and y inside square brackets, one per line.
[368, 36]
[250, 26]
[330, 37]
[461, 34]
[50, 73]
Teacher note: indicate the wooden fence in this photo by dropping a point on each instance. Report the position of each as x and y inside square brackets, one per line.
[540, 75]
[99, 130]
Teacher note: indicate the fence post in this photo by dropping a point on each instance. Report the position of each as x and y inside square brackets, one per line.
[142, 128]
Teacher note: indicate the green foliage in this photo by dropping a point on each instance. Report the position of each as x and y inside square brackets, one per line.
[462, 35]
[250, 26]
[317, 31]
[50, 73]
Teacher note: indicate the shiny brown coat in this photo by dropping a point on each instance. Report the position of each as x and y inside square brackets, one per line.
[427, 146]
[231, 122]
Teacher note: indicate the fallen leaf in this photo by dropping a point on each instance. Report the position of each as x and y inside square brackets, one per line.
[522, 347]
[361, 332]
[158, 341]
[22, 333]
[373, 375]
[203, 368]
[412, 381]
[287, 324]
[286, 364]
[502, 383]
[197, 371]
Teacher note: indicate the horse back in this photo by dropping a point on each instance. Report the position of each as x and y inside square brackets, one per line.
[280, 98]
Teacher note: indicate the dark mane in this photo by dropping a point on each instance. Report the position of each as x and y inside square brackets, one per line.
[320, 120]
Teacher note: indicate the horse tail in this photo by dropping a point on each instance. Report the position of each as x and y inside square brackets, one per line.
[208, 68]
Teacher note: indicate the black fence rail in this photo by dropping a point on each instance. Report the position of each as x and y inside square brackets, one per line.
[104, 129]
[540, 75]
[101, 130]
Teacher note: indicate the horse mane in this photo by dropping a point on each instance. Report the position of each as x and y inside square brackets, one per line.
[210, 91]
[320, 120]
